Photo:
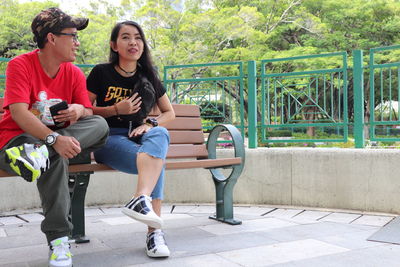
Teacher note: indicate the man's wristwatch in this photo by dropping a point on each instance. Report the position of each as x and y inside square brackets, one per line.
[152, 121]
[51, 139]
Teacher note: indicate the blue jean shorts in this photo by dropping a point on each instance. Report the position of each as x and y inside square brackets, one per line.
[120, 153]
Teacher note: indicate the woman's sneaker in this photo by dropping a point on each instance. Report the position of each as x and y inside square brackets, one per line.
[59, 254]
[140, 209]
[156, 246]
[28, 160]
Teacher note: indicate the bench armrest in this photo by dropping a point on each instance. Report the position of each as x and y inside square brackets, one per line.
[238, 146]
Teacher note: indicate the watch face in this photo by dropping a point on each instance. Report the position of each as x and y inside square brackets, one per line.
[50, 139]
[152, 121]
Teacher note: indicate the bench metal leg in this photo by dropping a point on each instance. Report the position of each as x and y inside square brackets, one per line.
[78, 184]
[224, 202]
[223, 184]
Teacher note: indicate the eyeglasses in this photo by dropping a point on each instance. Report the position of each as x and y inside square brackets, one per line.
[74, 35]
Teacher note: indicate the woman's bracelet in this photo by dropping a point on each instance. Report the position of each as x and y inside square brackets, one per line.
[116, 111]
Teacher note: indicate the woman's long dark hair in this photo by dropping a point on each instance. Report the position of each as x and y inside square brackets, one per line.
[145, 62]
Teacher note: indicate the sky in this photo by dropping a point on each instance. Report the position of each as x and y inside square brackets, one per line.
[68, 6]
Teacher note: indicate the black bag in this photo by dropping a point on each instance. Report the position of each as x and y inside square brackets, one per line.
[146, 91]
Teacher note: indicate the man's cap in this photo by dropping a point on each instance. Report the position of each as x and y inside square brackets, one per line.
[55, 20]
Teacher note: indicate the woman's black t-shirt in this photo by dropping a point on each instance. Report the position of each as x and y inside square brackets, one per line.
[110, 87]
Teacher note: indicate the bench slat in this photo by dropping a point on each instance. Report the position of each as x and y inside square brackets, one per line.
[184, 123]
[187, 151]
[181, 110]
[186, 137]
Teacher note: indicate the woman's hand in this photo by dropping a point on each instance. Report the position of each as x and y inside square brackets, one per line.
[144, 128]
[129, 105]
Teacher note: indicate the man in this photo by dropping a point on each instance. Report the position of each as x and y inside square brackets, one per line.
[31, 145]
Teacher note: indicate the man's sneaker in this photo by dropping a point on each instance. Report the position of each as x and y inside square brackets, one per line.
[29, 160]
[59, 254]
[140, 209]
[155, 245]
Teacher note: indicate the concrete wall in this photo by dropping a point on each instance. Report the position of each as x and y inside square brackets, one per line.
[356, 179]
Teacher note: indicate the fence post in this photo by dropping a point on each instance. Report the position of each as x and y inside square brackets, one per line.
[252, 103]
[358, 88]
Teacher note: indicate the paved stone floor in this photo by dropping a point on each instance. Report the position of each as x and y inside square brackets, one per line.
[269, 236]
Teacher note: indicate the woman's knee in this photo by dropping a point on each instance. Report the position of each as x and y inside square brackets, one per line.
[160, 132]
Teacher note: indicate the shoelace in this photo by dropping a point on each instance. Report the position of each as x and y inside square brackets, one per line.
[61, 250]
[159, 238]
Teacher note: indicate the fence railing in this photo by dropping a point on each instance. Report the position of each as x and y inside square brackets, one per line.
[314, 98]
[218, 88]
[304, 101]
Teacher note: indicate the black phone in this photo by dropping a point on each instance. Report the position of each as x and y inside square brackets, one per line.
[56, 108]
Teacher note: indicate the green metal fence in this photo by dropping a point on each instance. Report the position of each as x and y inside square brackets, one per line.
[296, 99]
[384, 124]
[304, 102]
[218, 88]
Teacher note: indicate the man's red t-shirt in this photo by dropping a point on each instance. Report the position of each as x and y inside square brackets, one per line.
[26, 82]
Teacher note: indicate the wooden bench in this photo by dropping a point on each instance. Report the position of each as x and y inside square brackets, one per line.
[187, 145]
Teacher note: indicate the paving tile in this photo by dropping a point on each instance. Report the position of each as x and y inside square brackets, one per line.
[111, 211]
[310, 231]
[351, 240]
[119, 220]
[94, 245]
[2, 233]
[21, 264]
[93, 212]
[283, 213]
[247, 226]
[208, 209]
[183, 208]
[340, 217]
[31, 229]
[11, 220]
[114, 258]
[173, 216]
[193, 241]
[373, 220]
[309, 216]
[25, 238]
[23, 254]
[387, 256]
[257, 211]
[281, 253]
[32, 217]
[209, 260]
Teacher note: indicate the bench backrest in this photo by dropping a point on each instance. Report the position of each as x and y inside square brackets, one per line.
[186, 134]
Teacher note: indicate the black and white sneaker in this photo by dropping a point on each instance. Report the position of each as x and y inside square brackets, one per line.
[140, 209]
[156, 247]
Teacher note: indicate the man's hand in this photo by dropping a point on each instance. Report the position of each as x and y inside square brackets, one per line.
[72, 114]
[67, 146]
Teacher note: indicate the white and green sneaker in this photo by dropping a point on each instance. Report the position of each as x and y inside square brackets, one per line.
[59, 254]
[29, 160]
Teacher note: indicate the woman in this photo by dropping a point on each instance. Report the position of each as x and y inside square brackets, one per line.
[125, 90]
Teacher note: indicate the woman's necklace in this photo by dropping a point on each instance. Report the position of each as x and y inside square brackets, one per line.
[130, 73]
